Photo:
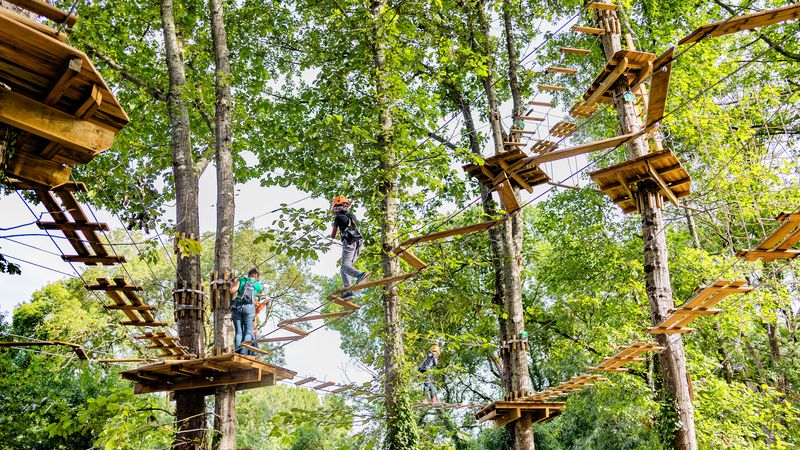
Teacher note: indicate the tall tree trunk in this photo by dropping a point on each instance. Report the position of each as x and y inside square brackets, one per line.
[515, 361]
[225, 399]
[190, 408]
[672, 361]
[401, 430]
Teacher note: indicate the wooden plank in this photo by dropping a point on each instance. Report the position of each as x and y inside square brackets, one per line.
[659, 87]
[92, 260]
[411, 258]
[603, 6]
[98, 287]
[662, 185]
[324, 385]
[91, 104]
[47, 10]
[314, 317]
[575, 51]
[564, 70]
[532, 118]
[255, 349]
[373, 283]
[277, 339]
[742, 23]
[123, 360]
[772, 255]
[507, 418]
[41, 28]
[239, 376]
[589, 30]
[143, 324]
[514, 144]
[607, 83]
[49, 123]
[305, 380]
[293, 329]
[131, 307]
[551, 87]
[468, 229]
[778, 235]
[545, 104]
[521, 181]
[518, 131]
[72, 226]
[585, 148]
[507, 196]
[344, 303]
[38, 171]
[68, 74]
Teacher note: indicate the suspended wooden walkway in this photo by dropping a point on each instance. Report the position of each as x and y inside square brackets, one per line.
[701, 304]
[742, 23]
[780, 243]
[628, 354]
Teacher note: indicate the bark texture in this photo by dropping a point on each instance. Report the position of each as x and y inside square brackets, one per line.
[190, 408]
[401, 430]
[672, 361]
[225, 399]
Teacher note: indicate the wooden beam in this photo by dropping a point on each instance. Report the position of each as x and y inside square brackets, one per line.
[92, 260]
[518, 131]
[532, 118]
[546, 104]
[521, 181]
[71, 226]
[142, 323]
[741, 23]
[665, 189]
[239, 376]
[305, 380]
[564, 70]
[324, 385]
[38, 171]
[507, 418]
[278, 339]
[378, 282]
[589, 30]
[42, 28]
[68, 74]
[99, 287]
[49, 123]
[45, 9]
[293, 329]
[409, 257]
[90, 104]
[342, 302]
[131, 307]
[256, 349]
[551, 87]
[575, 51]
[607, 83]
[449, 233]
[582, 149]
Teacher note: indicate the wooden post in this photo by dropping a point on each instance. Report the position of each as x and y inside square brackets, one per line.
[657, 279]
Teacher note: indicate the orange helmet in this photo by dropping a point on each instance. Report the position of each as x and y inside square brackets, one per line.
[340, 200]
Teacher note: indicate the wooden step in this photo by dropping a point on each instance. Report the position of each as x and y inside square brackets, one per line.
[324, 385]
[314, 317]
[575, 51]
[131, 307]
[255, 349]
[293, 329]
[305, 380]
[69, 226]
[409, 257]
[277, 339]
[518, 131]
[344, 303]
[373, 283]
[565, 70]
[449, 233]
[589, 30]
[551, 87]
[532, 118]
[545, 104]
[603, 6]
[94, 260]
[143, 324]
[514, 144]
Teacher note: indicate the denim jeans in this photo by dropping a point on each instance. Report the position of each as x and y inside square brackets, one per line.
[350, 252]
[428, 390]
[243, 317]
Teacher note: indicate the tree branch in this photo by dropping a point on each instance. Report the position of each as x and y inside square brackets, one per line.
[157, 93]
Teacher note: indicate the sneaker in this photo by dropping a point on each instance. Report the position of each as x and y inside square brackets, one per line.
[362, 277]
[348, 294]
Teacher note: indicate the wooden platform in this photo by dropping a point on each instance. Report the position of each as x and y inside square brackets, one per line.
[581, 110]
[246, 372]
[628, 354]
[631, 65]
[563, 129]
[79, 352]
[700, 305]
[621, 181]
[503, 412]
[508, 169]
[742, 23]
[65, 112]
[779, 244]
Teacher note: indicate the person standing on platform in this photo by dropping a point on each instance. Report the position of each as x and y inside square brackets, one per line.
[243, 308]
[431, 361]
[346, 223]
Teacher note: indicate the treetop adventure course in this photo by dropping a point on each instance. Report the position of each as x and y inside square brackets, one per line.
[57, 113]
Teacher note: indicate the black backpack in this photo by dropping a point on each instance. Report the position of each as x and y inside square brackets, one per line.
[248, 293]
[351, 233]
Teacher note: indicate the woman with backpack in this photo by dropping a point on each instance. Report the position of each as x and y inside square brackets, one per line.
[346, 223]
[243, 308]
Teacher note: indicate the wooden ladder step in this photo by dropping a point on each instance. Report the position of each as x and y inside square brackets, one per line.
[305, 380]
[314, 317]
[324, 385]
[373, 283]
[551, 87]
[518, 131]
[143, 324]
[343, 303]
[514, 144]
[545, 104]
[575, 51]
[131, 307]
[409, 257]
[71, 226]
[94, 260]
[565, 70]
[449, 233]
[277, 339]
[589, 30]
[532, 118]
[255, 349]
[293, 329]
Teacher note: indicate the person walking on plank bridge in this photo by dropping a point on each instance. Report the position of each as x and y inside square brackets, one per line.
[431, 361]
[345, 222]
[243, 308]
[261, 304]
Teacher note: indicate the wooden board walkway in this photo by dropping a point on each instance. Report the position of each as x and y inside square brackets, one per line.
[505, 171]
[700, 305]
[621, 181]
[503, 412]
[373, 283]
[628, 354]
[742, 23]
[563, 129]
[439, 235]
[632, 65]
[780, 243]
